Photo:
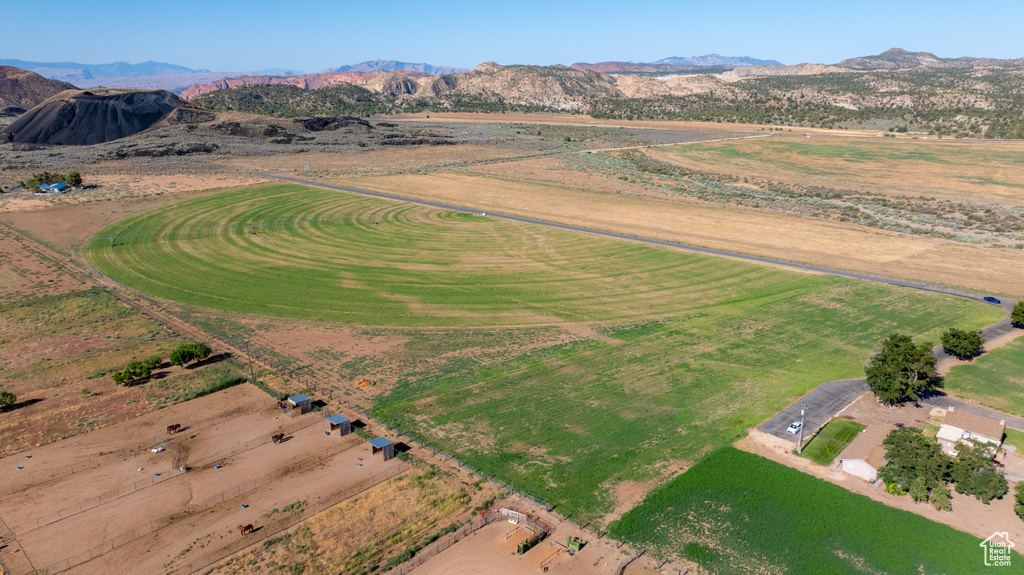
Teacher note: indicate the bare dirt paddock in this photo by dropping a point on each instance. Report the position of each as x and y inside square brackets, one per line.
[114, 514]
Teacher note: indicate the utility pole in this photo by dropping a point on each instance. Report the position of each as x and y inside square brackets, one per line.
[800, 442]
[251, 372]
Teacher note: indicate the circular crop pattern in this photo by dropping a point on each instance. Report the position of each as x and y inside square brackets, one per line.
[301, 252]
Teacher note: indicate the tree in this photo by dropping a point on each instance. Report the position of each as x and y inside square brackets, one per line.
[940, 497]
[134, 371]
[1018, 505]
[919, 490]
[900, 369]
[961, 343]
[975, 473]
[7, 398]
[73, 179]
[188, 352]
[912, 456]
[1017, 315]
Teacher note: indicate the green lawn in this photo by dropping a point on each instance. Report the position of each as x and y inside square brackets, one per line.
[832, 439]
[995, 379]
[671, 353]
[738, 513]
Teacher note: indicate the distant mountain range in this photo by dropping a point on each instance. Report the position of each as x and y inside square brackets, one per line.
[74, 71]
[716, 60]
[393, 66]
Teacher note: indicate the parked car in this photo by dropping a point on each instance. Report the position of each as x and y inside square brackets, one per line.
[794, 428]
[991, 299]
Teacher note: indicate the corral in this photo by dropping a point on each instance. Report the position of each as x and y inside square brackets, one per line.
[115, 502]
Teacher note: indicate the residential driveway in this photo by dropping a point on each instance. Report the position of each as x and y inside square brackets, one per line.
[821, 404]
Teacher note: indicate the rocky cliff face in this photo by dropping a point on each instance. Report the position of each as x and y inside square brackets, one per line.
[23, 89]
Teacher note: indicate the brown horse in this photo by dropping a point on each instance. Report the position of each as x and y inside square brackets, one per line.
[173, 428]
[246, 529]
[277, 438]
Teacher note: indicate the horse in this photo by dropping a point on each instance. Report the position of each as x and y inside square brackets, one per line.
[173, 428]
[277, 438]
[246, 529]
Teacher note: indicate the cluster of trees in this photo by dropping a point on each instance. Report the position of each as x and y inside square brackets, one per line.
[1017, 315]
[73, 179]
[136, 370]
[7, 398]
[188, 352]
[917, 466]
[900, 369]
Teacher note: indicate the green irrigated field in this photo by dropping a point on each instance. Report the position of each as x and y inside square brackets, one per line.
[672, 353]
[738, 513]
[995, 379]
[832, 439]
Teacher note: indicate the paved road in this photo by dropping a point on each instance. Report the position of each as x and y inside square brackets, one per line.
[943, 401]
[825, 400]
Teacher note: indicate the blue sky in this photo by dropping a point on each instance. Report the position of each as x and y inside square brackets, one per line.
[311, 35]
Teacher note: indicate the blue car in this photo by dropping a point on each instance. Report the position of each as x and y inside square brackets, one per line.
[991, 299]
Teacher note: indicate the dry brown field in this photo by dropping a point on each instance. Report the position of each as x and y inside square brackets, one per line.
[194, 512]
[820, 243]
[983, 171]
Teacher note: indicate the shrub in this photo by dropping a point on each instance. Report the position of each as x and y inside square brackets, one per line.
[7, 398]
[189, 352]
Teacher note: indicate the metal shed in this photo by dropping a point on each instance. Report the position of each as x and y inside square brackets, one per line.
[383, 445]
[299, 403]
[341, 423]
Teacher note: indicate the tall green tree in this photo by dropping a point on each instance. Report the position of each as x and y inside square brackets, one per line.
[73, 179]
[940, 497]
[900, 369]
[911, 456]
[1018, 496]
[1017, 315]
[975, 473]
[188, 352]
[961, 343]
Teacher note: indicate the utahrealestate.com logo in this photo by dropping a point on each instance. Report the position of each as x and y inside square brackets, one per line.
[997, 549]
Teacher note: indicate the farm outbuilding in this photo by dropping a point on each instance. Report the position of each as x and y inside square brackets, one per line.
[383, 445]
[865, 454]
[341, 423]
[299, 403]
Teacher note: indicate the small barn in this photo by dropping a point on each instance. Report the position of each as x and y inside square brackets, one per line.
[298, 404]
[383, 445]
[341, 423]
[52, 188]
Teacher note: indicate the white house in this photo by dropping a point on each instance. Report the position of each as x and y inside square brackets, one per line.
[960, 425]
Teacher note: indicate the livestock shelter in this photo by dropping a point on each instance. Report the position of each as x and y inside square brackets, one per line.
[383, 445]
[341, 423]
[299, 403]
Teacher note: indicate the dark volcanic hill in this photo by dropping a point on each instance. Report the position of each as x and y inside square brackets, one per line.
[83, 117]
[24, 89]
